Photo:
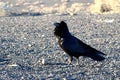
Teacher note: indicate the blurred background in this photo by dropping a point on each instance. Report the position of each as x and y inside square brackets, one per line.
[59, 7]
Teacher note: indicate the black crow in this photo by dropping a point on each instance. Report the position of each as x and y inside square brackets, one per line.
[73, 46]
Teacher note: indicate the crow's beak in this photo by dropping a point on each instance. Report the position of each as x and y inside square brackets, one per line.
[56, 24]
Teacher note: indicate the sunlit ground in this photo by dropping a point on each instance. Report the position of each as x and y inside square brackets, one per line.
[100, 6]
[58, 7]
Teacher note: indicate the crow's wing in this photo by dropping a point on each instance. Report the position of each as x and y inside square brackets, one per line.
[88, 48]
[72, 45]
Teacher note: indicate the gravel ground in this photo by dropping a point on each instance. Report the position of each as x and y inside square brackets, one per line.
[26, 40]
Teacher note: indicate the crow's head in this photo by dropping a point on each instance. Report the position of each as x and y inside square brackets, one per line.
[61, 29]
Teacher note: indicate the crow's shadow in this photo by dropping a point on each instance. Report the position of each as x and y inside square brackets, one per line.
[56, 63]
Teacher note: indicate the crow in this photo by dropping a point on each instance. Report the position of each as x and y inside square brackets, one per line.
[73, 46]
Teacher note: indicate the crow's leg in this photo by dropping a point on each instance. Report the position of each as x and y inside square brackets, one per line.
[77, 61]
[71, 58]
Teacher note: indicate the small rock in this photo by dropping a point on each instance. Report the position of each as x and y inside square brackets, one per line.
[13, 65]
[64, 79]
[29, 45]
[43, 35]
[44, 61]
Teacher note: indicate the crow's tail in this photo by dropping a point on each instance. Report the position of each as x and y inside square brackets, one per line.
[98, 56]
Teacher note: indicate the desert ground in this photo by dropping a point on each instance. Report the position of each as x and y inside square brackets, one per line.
[27, 40]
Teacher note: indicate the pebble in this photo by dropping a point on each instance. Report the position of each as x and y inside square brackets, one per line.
[44, 61]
